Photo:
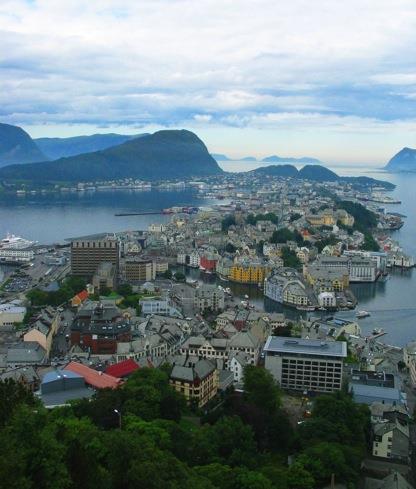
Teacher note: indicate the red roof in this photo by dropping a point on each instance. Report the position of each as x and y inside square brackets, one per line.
[122, 369]
[83, 295]
[98, 380]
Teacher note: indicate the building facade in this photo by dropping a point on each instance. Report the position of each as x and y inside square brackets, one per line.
[305, 365]
[88, 254]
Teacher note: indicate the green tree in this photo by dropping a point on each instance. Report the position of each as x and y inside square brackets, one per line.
[290, 258]
[299, 478]
[228, 221]
[179, 276]
[12, 396]
[125, 290]
[168, 274]
[261, 389]
[230, 248]
[282, 236]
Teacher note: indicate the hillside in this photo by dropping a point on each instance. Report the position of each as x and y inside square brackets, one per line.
[277, 171]
[282, 159]
[159, 156]
[319, 173]
[55, 148]
[403, 161]
[16, 146]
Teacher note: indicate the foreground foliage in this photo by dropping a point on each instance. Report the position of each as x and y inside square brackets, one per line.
[243, 444]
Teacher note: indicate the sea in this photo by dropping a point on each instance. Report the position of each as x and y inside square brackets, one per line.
[55, 217]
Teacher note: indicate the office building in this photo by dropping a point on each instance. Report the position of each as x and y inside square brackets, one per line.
[136, 269]
[88, 253]
[304, 364]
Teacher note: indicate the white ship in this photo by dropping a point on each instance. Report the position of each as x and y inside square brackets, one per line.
[12, 242]
[362, 314]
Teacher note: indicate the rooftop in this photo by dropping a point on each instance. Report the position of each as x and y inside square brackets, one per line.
[96, 379]
[282, 344]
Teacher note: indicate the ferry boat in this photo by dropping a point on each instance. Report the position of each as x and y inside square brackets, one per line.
[362, 314]
[13, 242]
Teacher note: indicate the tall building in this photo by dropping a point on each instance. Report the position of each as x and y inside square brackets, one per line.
[304, 364]
[88, 253]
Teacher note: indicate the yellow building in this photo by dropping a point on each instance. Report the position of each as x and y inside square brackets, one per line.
[327, 279]
[249, 271]
[44, 328]
[324, 218]
[197, 381]
[344, 218]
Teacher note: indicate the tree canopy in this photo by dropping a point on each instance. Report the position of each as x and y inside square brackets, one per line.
[242, 444]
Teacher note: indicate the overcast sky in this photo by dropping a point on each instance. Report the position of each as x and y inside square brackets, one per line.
[331, 79]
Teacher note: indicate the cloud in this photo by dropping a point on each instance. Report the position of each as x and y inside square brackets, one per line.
[222, 63]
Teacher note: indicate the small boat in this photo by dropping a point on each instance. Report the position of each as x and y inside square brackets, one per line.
[378, 331]
[362, 314]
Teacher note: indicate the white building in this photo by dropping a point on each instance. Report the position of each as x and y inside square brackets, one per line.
[156, 228]
[181, 258]
[16, 255]
[209, 297]
[327, 299]
[194, 259]
[236, 365]
[11, 314]
[157, 305]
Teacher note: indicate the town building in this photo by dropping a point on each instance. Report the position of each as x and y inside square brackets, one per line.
[105, 277]
[368, 387]
[196, 379]
[61, 386]
[98, 327]
[249, 270]
[88, 253]
[209, 296]
[136, 269]
[43, 328]
[11, 313]
[304, 364]
[158, 305]
[391, 441]
[360, 268]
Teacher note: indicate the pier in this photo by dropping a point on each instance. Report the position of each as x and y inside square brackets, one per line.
[141, 213]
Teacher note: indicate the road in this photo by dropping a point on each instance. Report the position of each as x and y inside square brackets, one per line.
[61, 344]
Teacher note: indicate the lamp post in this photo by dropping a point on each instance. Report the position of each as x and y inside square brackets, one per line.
[119, 417]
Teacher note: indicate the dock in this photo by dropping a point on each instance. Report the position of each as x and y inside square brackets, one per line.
[141, 213]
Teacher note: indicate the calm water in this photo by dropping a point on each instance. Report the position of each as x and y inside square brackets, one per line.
[53, 218]
[49, 219]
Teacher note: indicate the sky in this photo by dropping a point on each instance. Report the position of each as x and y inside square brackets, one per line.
[335, 80]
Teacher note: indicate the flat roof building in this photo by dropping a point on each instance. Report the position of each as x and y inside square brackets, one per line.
[88, 253]
[304, 364]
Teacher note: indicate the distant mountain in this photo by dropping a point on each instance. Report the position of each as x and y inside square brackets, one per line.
[16, 146]
[403, 161]
[159, 156]
[220, 157]
[282, 159]
[319, 173]
[55, 148]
